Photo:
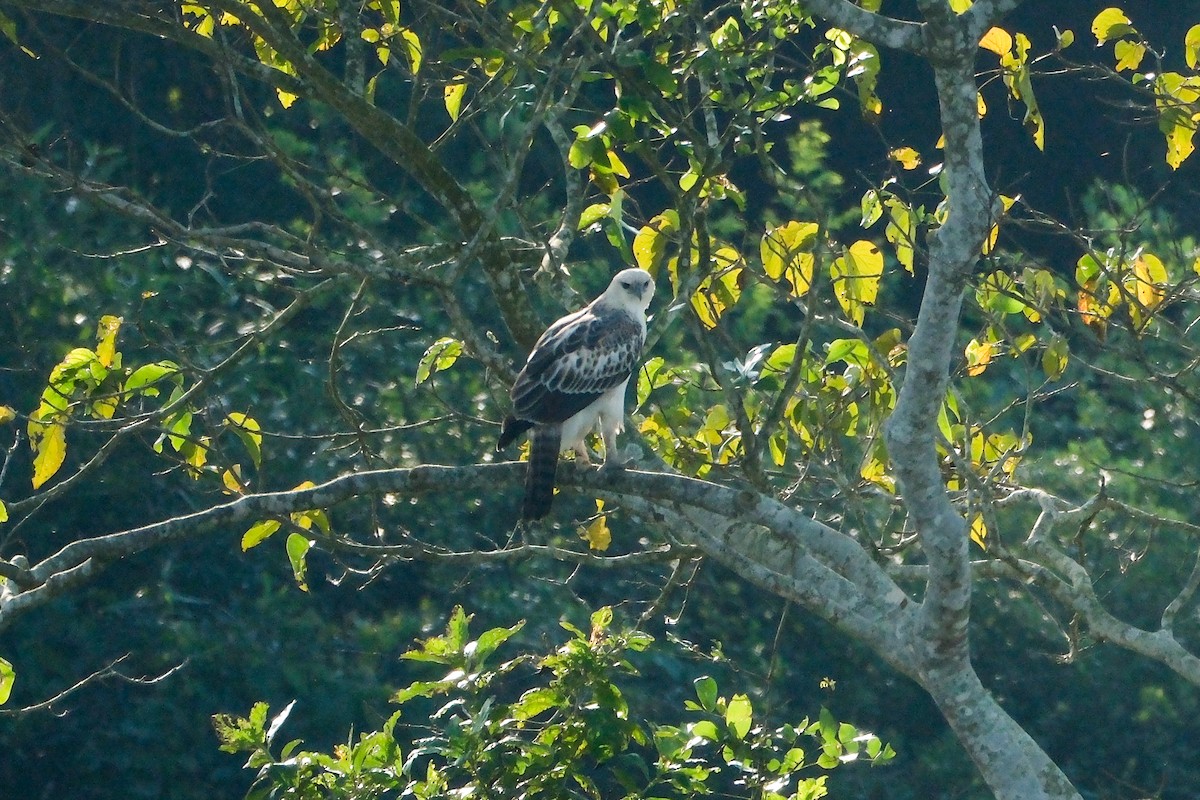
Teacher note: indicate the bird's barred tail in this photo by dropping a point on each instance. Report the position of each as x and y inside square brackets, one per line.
[543, 468]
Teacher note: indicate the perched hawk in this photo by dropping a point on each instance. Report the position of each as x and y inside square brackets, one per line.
[576, 377]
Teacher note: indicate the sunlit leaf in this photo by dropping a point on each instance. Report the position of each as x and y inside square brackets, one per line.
[593, 214]
[721, 290]
[979, 532]
[998, 40]
[596, 534]
[3, 512]
[247, 429]
[453, 95]
[906, 157]
[856, 277]
[49, 444]
[1191, 44]
[998, 294]
[143, 378]
[413, 49]
[297, 552]
[106, 338]
[232, 480]
[650, 243]
[901, 232]
[1111, 23]
[739, 715]
[8, 677]
[7, 414]
[1129, 55]
[258, 532]
[787, 252]
[979, 355]
[441, 355]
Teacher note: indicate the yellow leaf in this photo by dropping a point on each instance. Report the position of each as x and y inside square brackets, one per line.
[8, 413]
[875, 471]
[650, 243]
[906, 157]
[1129, 55]
[979, 355]
[232, 478]
[979, 531]
[1146, 284]
[413, 47]
[3, 512]
[1191, 44]
[901, 231]
[961, 6]
[597, 534]
[286, 99]
[720, 290]
[49, 444]
[453, 95]
[106, 339]
[856, 276]
[980, 106]
[104, 408]
[786, 251]
[998, 40]
[1111, 23]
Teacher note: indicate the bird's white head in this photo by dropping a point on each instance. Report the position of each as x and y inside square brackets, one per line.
[631, 288]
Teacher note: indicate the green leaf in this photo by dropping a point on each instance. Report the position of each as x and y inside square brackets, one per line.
[535, 701]
[258, 532]
[706, 692]
[1054, 359]
[998, 293]
[3, 512]
[593, 214]
[487, 643]
[297, 552]
[8, 677]
[705, 729]
[601, 620]
[739, 715]
[441, 355]
[144, 377]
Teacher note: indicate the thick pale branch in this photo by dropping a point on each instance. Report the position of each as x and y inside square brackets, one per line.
[827, 560]
[895, 34]
[912, 430]
[787, 570]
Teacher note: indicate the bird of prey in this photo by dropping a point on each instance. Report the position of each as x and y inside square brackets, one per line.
[574, 379]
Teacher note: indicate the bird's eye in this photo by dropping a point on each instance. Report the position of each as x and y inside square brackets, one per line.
[627, 284]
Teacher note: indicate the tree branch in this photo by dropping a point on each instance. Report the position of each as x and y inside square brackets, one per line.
[895, 34]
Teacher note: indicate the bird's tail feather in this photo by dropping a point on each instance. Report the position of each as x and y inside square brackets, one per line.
[543, 468]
